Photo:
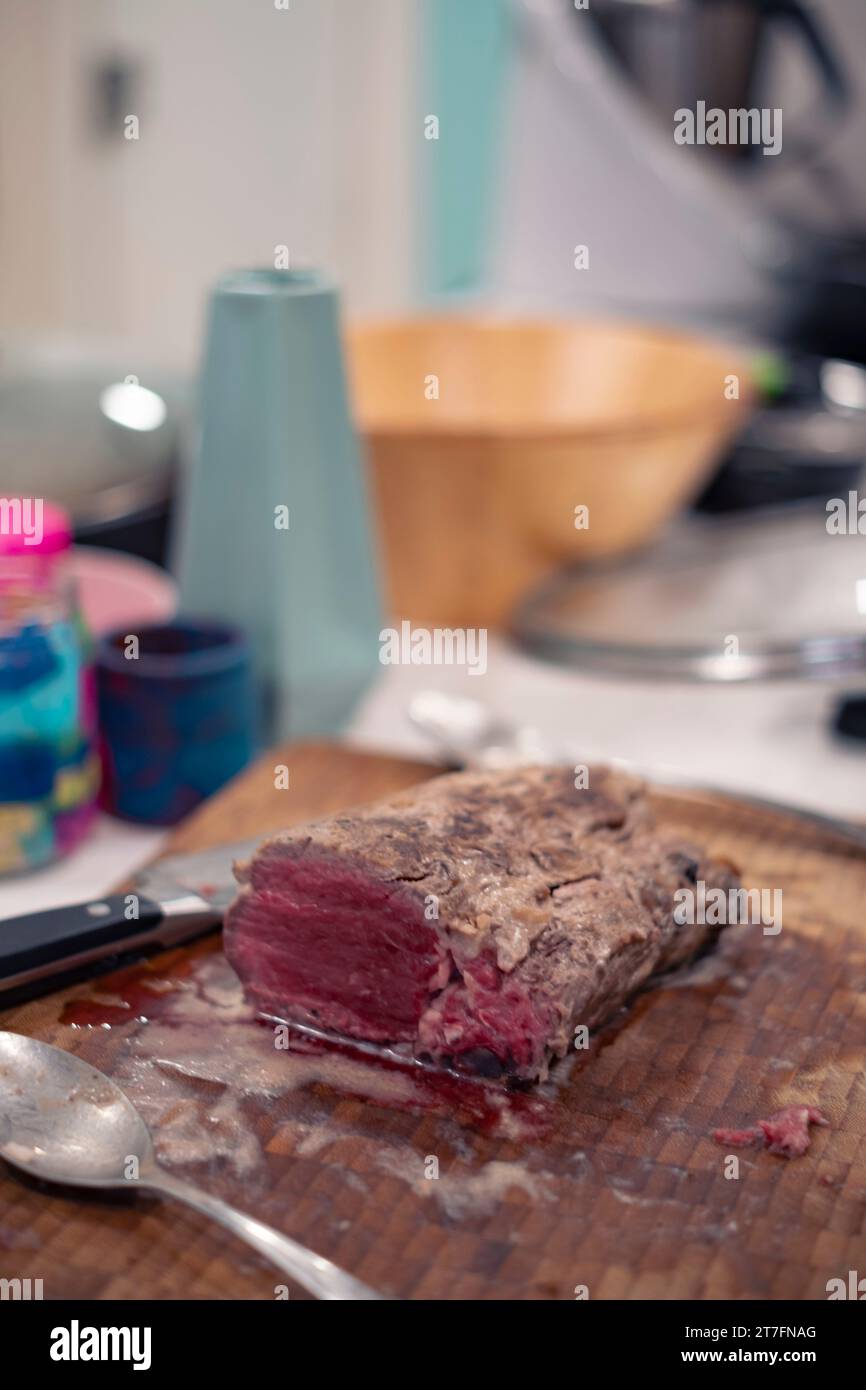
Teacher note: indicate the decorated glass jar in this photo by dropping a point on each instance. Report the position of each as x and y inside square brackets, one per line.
[49, 768]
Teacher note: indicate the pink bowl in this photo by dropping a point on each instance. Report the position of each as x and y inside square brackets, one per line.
[114, 589]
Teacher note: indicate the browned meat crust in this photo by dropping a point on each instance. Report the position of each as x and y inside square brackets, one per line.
[539, 906]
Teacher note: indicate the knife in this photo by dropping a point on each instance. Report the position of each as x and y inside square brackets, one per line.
[173, 900]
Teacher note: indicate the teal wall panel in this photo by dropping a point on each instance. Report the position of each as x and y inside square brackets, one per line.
[465, 47]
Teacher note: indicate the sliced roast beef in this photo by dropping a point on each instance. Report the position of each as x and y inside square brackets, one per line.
[481, 917]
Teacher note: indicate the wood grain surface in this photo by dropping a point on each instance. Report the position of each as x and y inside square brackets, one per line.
[620, 1189]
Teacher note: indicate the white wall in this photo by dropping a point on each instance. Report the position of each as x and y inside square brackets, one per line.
[261, 126]
[258, 126]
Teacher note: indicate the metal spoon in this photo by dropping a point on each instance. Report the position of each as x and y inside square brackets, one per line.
[64, 1121]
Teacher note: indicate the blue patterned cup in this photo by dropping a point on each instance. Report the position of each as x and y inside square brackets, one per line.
[177, 715]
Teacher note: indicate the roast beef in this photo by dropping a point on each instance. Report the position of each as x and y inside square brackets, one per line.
[481, 918]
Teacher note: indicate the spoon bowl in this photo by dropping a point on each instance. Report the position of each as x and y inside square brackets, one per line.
[66, 1122]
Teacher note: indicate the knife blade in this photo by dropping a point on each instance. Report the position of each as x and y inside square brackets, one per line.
[170, 901]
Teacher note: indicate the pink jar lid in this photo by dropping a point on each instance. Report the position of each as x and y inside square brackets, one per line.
[32, 526]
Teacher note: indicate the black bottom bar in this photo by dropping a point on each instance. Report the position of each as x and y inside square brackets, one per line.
[651, 1338]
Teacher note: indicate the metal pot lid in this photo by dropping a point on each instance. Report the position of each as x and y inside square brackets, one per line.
[769, 596]
[78, 428]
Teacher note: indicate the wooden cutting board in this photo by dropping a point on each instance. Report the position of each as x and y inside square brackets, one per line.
[607, 1181]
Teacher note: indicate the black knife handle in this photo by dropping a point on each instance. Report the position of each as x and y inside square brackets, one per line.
[40, 943]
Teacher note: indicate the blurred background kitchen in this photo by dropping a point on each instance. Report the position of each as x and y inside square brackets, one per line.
[320, 316]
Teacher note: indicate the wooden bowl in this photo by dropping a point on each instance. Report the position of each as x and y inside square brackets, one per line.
[485, 435]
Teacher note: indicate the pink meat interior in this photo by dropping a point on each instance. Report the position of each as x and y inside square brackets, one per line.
[316, 938]
[485, 1014]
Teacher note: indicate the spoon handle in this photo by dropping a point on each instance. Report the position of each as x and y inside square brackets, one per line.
[313, 1272]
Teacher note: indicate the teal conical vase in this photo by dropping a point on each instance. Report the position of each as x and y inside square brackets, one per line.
[274, 529]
